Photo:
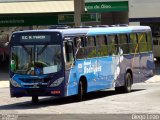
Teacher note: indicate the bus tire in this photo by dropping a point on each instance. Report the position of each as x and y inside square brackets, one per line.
[35, 99]
[127, 85]
[80, 92]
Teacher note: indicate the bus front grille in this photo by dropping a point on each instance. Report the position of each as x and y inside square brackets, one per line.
[29, 80]
[35, 91]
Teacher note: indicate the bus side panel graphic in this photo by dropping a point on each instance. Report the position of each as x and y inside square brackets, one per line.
[71, 82]
[100, 73]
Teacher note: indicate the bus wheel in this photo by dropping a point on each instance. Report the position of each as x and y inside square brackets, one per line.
[128, 83]
[80, 92]
[35, 99]
[127, 86]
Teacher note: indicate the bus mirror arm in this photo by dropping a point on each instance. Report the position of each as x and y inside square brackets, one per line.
[72, 64]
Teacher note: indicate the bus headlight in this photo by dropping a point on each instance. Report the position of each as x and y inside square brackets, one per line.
[14, 83]
[57, 82]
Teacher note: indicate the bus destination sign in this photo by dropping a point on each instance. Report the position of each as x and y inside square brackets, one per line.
[35, 38]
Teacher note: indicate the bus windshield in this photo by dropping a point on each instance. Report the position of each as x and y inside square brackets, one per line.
[36, 59]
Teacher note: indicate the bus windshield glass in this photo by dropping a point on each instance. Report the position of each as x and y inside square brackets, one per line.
[36, 59]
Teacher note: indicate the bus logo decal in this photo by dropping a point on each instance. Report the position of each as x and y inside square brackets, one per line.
[92, 67]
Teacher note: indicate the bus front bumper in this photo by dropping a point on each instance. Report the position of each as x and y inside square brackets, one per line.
[24, 92]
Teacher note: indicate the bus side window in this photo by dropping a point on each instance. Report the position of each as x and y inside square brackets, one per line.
[101, 43]
[68, 54]
[133, 44]
[142, 41]
[91, 47]
[112, 44]
[123, 43]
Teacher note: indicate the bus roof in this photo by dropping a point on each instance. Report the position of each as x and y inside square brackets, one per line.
[94, 30]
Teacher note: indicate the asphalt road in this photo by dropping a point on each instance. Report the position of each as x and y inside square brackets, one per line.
[144, 99]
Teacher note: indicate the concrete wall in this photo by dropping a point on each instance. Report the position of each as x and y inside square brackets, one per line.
[144, 8]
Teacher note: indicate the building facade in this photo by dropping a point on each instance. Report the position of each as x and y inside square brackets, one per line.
[112, 11]
[146, 12]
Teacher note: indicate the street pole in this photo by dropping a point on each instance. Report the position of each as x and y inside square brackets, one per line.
[79, 8]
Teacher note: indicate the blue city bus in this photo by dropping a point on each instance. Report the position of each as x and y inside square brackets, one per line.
[74, 61]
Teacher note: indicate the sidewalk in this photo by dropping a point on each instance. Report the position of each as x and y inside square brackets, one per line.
[4, 84]
[155, 78]
[4, 79]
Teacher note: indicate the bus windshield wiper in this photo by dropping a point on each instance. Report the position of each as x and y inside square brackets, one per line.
[41, 51]
[28, 52]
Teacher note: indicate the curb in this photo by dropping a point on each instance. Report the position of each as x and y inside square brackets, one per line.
[155, 78]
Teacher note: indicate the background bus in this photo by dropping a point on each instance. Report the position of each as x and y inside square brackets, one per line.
[156, 47]
[75, 61]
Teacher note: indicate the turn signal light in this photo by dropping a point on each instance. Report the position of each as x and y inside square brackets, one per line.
[55, 92]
